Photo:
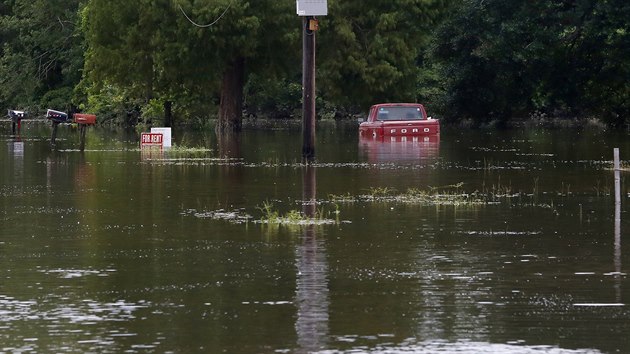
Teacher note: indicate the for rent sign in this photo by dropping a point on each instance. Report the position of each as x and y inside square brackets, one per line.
[151, 139]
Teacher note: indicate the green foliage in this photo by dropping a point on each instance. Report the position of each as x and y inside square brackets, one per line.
[506, 58]
[481, 60]
[434, 196]
[152, 111]
[42, 55]
[17, 79]
[151, 51]
[58, 98]
[293, 218]
[273, 98]
[111, 104]
[269, 213]
[371, 49]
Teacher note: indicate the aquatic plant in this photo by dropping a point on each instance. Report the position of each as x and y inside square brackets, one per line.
[376, 192]
[238, 216]
[456, 186]
[535, 188]
[271, 216]
[443, 195]
[566, 190]
[341, 198]
[269, 213]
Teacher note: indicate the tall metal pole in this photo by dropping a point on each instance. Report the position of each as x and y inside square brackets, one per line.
[308, 90]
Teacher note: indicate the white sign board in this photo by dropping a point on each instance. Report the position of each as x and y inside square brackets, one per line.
[312, 7]
[166, 135]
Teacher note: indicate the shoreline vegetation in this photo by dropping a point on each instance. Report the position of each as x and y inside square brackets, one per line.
[489, 64]
[255, 123]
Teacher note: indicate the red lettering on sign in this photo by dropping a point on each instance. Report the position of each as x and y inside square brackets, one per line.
[151, 139]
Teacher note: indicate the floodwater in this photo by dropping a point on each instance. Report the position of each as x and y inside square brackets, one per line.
[476, 242]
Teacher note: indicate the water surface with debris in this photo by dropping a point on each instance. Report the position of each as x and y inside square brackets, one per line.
[479, 241]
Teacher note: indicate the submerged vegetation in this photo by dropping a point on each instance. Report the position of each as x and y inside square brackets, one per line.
[447, 195]
[444, 196]
[271, 216]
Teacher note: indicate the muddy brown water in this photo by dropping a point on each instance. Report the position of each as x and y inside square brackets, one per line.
[479, 241]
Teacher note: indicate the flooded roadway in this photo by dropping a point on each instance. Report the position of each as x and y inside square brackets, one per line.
[474, 242]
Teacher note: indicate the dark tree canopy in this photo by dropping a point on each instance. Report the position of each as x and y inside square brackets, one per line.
[506, 58]
[369, 49]
[41, 56]
[151, 49]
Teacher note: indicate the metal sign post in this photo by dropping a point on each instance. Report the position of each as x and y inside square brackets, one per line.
[308, 9]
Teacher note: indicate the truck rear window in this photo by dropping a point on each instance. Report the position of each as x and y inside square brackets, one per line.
[399, 113]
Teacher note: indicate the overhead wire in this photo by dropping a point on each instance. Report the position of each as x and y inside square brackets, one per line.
[209, 24]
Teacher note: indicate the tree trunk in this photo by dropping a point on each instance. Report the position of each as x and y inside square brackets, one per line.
[231, 105]
[168, 114]
[229, 145]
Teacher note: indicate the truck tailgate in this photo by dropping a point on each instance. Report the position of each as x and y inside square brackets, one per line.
[411, 127]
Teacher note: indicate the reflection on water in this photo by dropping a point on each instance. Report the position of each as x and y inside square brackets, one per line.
[312, 295]
[400, 149]
[150, 153]
[112, 250]
[618, 235]
[464, 347]
[16, 149]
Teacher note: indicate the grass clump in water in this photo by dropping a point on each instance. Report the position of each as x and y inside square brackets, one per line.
[184, 151]
[444, 195]
[380, 192]
[271, 216]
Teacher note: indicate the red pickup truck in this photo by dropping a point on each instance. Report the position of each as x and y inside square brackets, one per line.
[398, 120]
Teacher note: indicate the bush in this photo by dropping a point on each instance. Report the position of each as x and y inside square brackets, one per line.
[278, 99]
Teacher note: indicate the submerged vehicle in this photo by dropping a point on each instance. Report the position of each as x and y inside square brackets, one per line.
[398, 120]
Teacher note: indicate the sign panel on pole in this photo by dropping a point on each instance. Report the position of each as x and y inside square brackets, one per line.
[312, 7]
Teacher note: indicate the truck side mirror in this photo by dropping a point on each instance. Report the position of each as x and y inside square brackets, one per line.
[361, 120]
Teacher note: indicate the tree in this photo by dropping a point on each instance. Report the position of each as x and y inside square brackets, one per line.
[131, 46]
[150, 47]
[246, 37]
[370, 49]
[505, 57]
[41, 56]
